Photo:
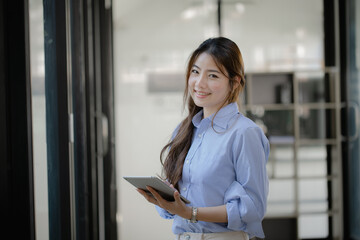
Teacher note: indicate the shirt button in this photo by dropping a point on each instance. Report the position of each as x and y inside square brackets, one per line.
[184, 189]
[187, 161]
[200, 135]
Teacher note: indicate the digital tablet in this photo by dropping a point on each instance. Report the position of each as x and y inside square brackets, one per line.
[162, 188]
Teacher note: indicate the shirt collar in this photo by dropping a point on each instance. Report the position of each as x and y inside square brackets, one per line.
[221, 119]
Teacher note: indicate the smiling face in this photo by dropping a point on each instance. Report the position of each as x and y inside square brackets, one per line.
[207, 85]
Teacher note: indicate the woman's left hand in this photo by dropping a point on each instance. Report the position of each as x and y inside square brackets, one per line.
[177, 207]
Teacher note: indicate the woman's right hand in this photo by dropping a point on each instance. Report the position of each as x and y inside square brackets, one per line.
[147, 196]
[177, 207]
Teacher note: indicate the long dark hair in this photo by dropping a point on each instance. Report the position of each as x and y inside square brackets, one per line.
[228, 59]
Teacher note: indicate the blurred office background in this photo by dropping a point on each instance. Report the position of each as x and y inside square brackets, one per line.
[92, 90]
[291, 93]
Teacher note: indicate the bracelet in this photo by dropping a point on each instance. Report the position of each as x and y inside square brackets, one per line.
[194, 212]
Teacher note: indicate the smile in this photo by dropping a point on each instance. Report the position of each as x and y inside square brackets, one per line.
[201, 93]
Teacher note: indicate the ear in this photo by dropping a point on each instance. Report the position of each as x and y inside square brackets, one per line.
[237, 82]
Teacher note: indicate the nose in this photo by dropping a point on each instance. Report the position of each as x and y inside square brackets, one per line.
[201, 81]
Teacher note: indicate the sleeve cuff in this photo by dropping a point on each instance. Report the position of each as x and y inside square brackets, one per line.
[241, 211]
[163, 213]
[235, 222]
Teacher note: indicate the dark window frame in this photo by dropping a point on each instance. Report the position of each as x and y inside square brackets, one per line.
[16, 162]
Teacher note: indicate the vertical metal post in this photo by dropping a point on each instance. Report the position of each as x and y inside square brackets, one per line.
[337, 185]
[296, 115]
[68, 26]
[99, 119]
[59, 152]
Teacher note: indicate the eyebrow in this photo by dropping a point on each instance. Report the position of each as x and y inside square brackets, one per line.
[210, 70]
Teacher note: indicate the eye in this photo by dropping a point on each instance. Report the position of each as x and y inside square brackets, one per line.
[194, 71]
[213, 76]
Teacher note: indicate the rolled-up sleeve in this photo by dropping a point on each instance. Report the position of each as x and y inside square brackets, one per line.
[246, 197]
[163, 213]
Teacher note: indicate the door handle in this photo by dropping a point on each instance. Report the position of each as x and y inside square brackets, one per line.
[353, 135]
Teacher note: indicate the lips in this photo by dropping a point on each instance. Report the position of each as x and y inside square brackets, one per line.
[201, 94]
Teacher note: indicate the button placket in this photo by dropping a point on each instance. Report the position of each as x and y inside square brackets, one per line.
[193, 149]
[189, 158]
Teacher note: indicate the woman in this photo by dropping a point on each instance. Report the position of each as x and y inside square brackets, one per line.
[216, 157]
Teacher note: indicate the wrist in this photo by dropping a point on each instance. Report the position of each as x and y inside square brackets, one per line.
[188, 213]
[194, 213]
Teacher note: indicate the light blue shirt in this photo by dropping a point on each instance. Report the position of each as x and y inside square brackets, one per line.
[226, 164]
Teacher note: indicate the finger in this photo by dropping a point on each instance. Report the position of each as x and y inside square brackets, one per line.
[177, 196]
[147, 197]
[161, 202]
[155, 194]
[143, 193]
[167, 182]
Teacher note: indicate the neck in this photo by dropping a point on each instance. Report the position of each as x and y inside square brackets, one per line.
[208, 112]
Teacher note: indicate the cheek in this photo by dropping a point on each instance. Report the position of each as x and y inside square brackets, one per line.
[191, 83]
[218, 87]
